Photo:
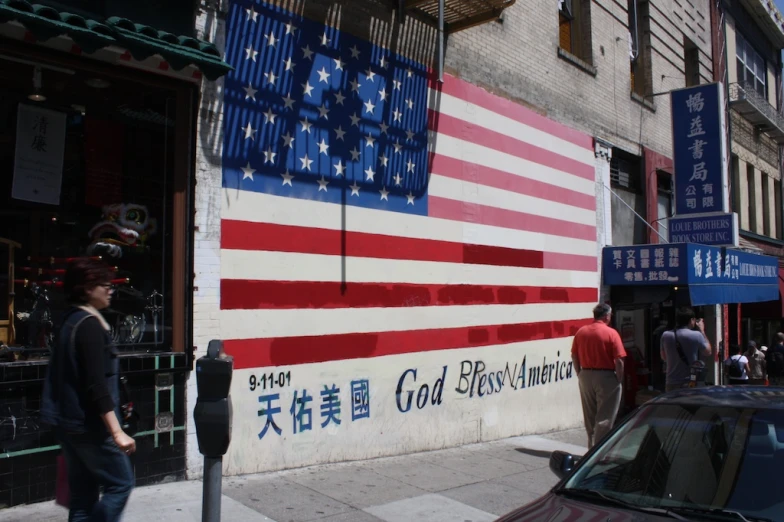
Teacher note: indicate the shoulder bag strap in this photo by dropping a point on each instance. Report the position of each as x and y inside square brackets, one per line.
[680, 348]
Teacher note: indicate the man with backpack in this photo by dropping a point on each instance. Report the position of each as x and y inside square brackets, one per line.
[682, 350]
[737, 366]
[775, 361]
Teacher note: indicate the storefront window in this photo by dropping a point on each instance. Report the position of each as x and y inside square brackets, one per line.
[86, 170]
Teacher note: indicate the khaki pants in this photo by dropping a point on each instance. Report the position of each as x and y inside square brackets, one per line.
[600, 393]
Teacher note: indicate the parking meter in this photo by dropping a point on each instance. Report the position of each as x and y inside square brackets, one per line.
[213, 412]
[212, 416]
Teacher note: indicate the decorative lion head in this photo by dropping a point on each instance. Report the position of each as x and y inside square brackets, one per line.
[122, 226]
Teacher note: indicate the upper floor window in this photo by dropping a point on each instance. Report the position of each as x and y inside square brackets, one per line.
[751, 66]
[574, 28]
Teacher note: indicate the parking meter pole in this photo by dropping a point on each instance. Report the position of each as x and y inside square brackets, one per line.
[212, 416]
[213, 475]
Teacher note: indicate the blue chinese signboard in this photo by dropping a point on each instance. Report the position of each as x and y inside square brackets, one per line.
[713, 229]
[699, 149]
[715, 275]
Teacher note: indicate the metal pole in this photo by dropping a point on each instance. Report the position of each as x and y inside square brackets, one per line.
[441, 41]
[211, 495]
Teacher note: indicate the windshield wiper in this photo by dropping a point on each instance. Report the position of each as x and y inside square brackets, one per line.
[593, 494]
[719, 513]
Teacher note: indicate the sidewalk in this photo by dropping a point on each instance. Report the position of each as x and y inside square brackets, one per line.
[474, 483]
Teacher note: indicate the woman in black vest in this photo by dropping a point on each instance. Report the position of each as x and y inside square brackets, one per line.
[81, 399]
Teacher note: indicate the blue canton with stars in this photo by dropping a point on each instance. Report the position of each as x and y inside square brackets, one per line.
[315, 113]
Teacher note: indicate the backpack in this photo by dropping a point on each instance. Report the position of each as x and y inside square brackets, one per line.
[735, 369]
[776, 364]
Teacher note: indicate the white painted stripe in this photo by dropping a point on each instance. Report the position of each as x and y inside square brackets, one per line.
[480, 155]
[245, 205]
[250, 324]
[479, 116]
[452, 188]
[292, 266]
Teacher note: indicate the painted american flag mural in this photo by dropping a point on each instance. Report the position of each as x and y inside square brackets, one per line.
[370, 212]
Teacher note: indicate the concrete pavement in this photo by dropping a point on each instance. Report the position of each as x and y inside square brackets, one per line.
[474, 483]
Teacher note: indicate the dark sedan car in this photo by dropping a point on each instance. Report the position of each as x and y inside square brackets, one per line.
[695, 454]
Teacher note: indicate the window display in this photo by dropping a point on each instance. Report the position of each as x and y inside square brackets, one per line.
[86, 171]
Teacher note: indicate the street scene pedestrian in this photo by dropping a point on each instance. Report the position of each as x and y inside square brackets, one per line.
[736, 366]
[775, 361]
[758, 373]
[683, 349]
[81, 400]
[597, 354]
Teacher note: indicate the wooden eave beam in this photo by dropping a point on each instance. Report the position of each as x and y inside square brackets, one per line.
[473, 21]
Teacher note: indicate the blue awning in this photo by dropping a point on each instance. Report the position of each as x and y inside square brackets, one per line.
[713, 275]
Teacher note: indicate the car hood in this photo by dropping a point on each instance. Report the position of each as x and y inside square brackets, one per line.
[556, 508]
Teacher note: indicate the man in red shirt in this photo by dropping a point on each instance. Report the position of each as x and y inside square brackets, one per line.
[597, 354]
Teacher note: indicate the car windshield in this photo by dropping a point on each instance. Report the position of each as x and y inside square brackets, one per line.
[684, 457]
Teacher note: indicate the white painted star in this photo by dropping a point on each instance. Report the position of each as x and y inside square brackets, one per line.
[324, 40]
[339, 97]
[410, 166]
[288, 101]
[290, 28]
[383, 126]
[250, 92]
[410, 198]
[354, 120]
[383, 93]
[370, 174]
[252, 14]
[289, 64]
[371, 141]
[287, 177]
[340, 168]
[306, 162]
[323, 75]
[306, 125]
[250, 54]
[323, 147]
[398, 147]
[383, 62]
[323, 111]
[269, 156]
[322, 184]
[250, 132]
[409, 135]
[369, 106]
[370, 74]
[396, 84]
[340, 133]
[247, 171]
[271, 40]
[269, 116]
[339, 63]
[354, 189]
[308, 89]
[398, 179]
[384, 193]
[410, 103]
[271, 78]
[409, 72]
[397, 115]
[354, 52]
[307, 53]
[354, 154]
[355, 85]
[384, 160]
[288, 139]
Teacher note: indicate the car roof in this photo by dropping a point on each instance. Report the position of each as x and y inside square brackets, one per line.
[766, 397]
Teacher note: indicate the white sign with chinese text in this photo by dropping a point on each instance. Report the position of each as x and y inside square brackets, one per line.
[38, 164]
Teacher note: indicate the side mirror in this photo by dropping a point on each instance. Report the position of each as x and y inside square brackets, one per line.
[562, 463]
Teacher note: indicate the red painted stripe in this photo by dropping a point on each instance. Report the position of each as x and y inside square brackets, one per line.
[464, 130]
[284, 351]
[486, 215]
[246, 235]
[570, 262]
[471, 172]
[478, 96]
[240, 294]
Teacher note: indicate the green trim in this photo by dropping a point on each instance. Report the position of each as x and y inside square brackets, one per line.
[141, 41]
[44, 449]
